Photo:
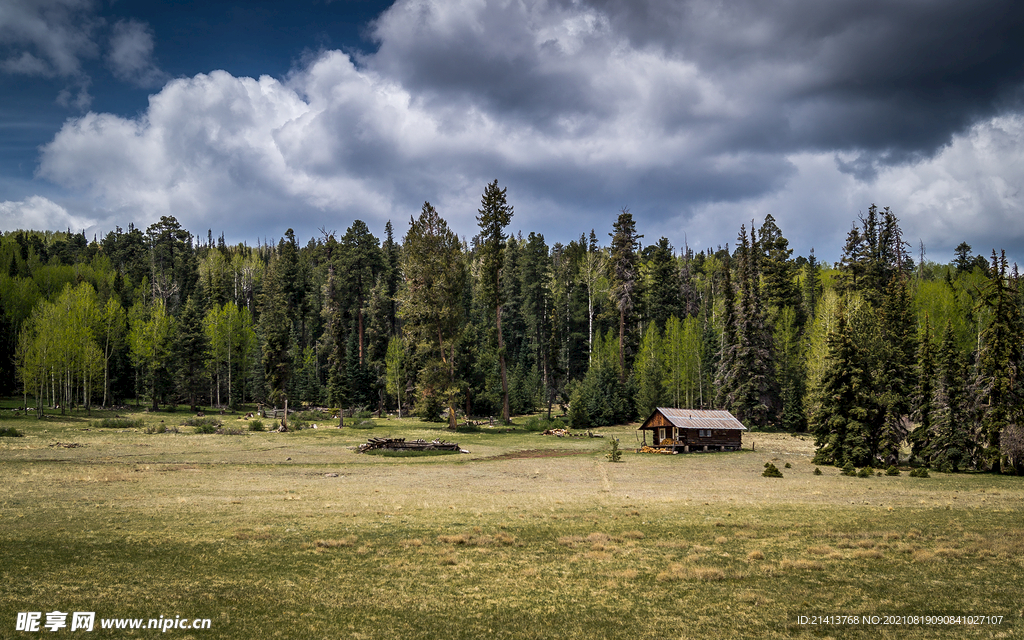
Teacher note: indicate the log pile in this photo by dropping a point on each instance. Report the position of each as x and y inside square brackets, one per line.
[647, 449]
[399, 444]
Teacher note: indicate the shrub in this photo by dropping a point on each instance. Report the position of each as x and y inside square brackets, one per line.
[120, 423]
[614, 454]
[202, 422]
[10, 432]
[817, 471]
[771, 471]
[160, 428]
[789, 466]
[539, 424]
[362, 424]
[467, 428]
[256, 425]
[849, 469]
[205, 428]
[920, 472]
[864, 473]
[363, 415]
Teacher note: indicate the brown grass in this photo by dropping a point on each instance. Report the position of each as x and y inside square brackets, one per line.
[333, 543]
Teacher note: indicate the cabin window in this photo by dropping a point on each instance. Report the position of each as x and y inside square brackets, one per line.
[661, 433]
[704, 433]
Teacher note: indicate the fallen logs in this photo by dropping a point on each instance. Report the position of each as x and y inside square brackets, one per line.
[647, 449]
[399, 444]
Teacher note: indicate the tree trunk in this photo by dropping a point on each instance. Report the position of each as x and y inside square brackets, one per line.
[504, 376]
[622, 353]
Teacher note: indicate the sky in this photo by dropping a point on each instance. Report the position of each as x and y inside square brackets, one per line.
[249, 118]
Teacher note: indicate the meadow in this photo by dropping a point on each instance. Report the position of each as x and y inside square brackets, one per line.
[295, 535]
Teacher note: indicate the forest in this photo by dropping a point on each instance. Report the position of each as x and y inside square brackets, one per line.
[875, 354]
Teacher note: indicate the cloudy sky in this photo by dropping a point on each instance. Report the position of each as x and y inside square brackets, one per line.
[251, 117]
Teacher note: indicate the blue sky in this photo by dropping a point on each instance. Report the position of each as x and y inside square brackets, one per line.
[250, 118]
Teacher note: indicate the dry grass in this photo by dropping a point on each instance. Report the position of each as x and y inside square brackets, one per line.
[559, 547]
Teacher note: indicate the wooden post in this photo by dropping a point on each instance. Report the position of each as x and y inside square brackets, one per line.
[284, 420]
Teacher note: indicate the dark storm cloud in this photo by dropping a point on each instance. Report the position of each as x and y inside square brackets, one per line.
[694, 114]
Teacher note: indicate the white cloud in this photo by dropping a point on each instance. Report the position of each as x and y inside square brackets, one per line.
[47, 37]
[131, 54]
[555, 101]
[37, 212]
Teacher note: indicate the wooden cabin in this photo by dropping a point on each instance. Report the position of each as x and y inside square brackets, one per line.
[693, 430]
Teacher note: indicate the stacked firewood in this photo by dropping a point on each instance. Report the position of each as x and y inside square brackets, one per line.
[399, 444]
[647, 449]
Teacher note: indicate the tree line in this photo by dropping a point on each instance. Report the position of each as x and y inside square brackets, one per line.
[872, 354]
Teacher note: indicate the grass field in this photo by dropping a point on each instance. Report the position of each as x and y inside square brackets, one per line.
[294, 535]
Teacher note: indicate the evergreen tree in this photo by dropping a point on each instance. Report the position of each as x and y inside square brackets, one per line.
[191, 352]
[842, 423]
[751, 389]
[951, 447]
[276, 331]
[997, 385]
[664, 288]
[895, 369]
[433, 305]
[923, 403]
[623, 269]
[493, 216]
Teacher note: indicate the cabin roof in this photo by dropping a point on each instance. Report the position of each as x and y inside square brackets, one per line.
[697, 419]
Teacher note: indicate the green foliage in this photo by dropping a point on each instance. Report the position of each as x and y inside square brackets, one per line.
[256, 425]
[538, 424]
[771, 471]
[892, 471]
[865, 472]
[614, 453]
[10, 432]
[205, 427]
[849, 469]
[817, 471]
[919, 472]
[788, 465]
[362, 424]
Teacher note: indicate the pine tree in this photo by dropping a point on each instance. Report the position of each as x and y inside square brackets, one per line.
[997, 385]
[433, 305]
[191, 352]
[842, 423]
[923, 403]
[648, 372]
[623, 267]
[276, 332]
[664, 288]
[493, 216]
[951, 447]
[895, 370]
[752, 391]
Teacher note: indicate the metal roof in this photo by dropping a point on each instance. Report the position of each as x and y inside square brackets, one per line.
[698, 419]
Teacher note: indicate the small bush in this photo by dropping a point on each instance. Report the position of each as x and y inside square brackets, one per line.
[849, 469]
[362, 424]
[467, 428]
[160, 428]
[614, 454]
[10, 432]
[920, 472]
[205, 428]
[119, 423]
[363, 415]
[864, 473]
[538, 424]
[202, 422]
[256, 425]
[788, 466]
[817, 471]
[771, 471]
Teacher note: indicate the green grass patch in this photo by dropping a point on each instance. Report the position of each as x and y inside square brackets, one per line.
[10, 432]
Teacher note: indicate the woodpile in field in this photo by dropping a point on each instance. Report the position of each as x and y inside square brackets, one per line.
[565, 433]
[399, 444]
[647, 449]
